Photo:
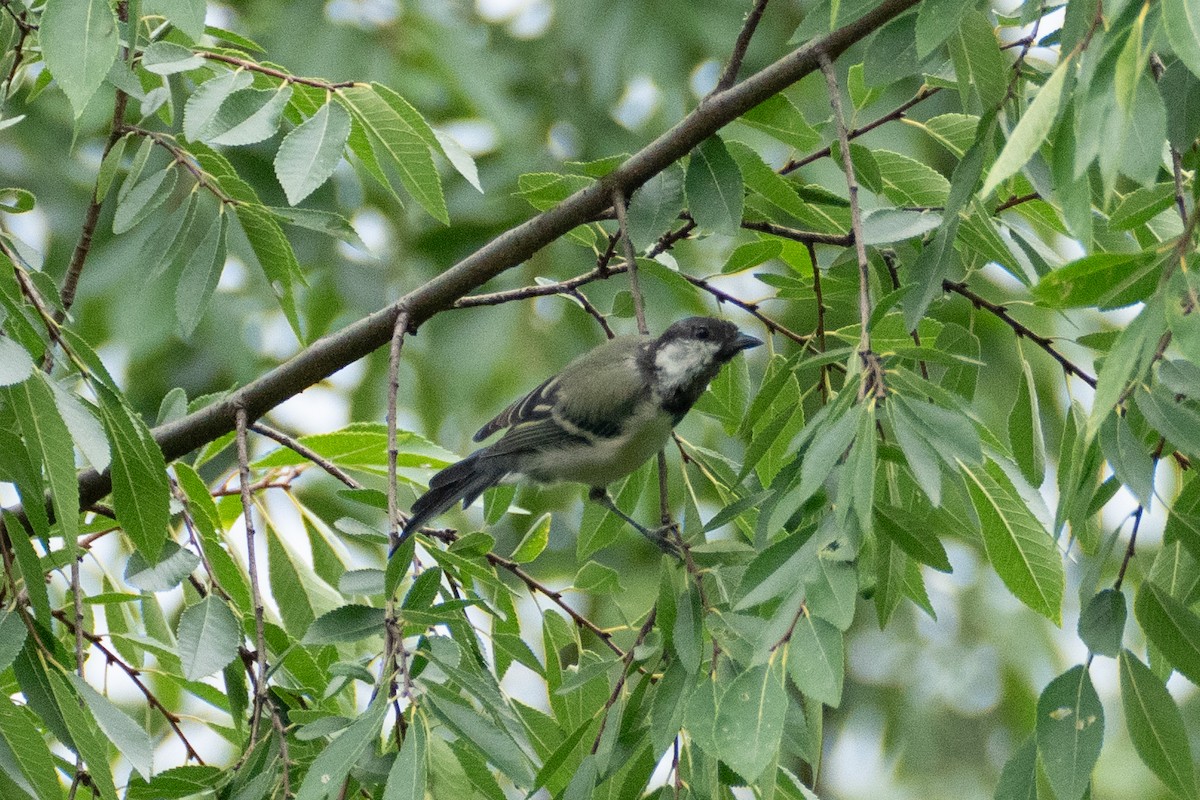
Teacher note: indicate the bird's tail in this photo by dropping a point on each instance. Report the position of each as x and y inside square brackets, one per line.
[464, 480]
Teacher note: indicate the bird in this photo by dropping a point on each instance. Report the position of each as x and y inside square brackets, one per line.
[596, 421]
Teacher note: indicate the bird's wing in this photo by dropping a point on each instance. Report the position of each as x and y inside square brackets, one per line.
[607, 366]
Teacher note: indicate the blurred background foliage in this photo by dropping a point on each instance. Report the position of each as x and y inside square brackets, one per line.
[931, 708]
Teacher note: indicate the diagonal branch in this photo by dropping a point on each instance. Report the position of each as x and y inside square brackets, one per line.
[331, 353]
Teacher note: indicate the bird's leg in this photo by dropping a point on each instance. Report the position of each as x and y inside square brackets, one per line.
[657, 535]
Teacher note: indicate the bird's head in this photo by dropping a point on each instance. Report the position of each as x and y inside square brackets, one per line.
[690, 352]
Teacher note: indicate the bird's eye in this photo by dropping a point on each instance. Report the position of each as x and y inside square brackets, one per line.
[702, 334]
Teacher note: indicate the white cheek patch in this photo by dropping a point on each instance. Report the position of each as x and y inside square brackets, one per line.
[679, 362]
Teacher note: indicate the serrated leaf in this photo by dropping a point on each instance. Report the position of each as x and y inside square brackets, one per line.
[209, 635]
[49, 442]
[936, 22]
[128, 736]
[1179, 423]
[1030, 132]
[168, 58]
[79, 44]
[1102, 623]
[141, 495]
[1025, 435]
[751, 254]
[1171, 627]
[186, 15]
[888, 225]
[778, 117]
[348, 623]
[1182, 18]
[714, 187]
[1155, 726]
[1128, 456]
[1017, 544]
[404, 147]
[174, 564]
[308, 154]
[816, 660]
[329, 769]
[1070, 730]
[534, 541]
[1104, 280]
[247, 117]
[1141, 205]
[200, 275]
[144, 199]
[276, 257]
[204, 104]
[655, 206]
[407, 777]
[912, 535]
[978, 60]
[749, 720]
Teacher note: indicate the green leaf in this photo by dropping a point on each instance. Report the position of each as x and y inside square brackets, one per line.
[908, 182]
[200, 276]
[752, 254]
[1025, 429]
[128, 736]
[186, 15]
[1179, 423]
[407, 777]
[12, 637]
[174, 564]
[955, 132]
[209, 635]
[1102, 623]
[912, 534]
[1104, 280]
[1070, 730]
[937, 20]
[749, 721]
[86, 740]
[778, 117]
[1018, 779]
[597, 578]
[828, 445]
[349, 623]
[1170, 627]
[978, 60]
[534, 541]
[1182, 18]
[1155, 726]
[1128, 456]
[144, 199]
[329, 769]
[714, 187]
[308, 154]
[1019, 547]
[141, 495]
[79, 44]
[49, 442]
[1030, 132]
[203, 105]
[248, 117]
[18, 201]
[1141, 205]
[168, 58]
[178, 782]
[888, 225]
[394, 138]
[21, 732]
[1125, 361]
[816, 660]
[654, 208]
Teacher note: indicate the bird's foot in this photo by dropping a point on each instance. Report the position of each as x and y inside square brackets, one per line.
[665, 537]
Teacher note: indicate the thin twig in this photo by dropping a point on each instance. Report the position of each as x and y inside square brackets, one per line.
[627, 661]
[302, 450]
[924, 93]
[253, 66]
[397, 343]
[796, 235]
[1001, 313]
[639, 305]
[729, 76]
[134, 676]
[260, 644]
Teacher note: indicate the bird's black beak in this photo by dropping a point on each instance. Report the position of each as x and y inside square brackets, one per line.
[745, 341]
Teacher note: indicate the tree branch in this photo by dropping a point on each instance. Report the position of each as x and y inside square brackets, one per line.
[331, 353]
